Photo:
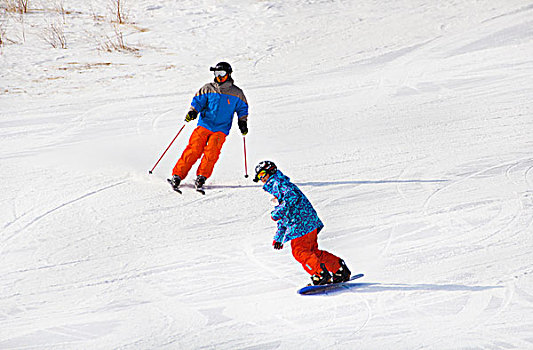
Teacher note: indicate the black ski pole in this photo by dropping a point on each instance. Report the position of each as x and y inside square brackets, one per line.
[245, 164]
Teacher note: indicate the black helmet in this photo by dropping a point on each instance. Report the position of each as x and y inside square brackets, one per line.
[266, 167]
[225, 66]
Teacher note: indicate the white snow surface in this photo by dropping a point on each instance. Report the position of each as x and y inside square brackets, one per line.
[408, 124]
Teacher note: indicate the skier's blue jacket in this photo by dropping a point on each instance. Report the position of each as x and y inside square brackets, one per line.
[217, 103]
[295, 215]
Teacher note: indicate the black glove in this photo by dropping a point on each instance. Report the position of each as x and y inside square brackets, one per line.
[277, 245]
[243, 126]
[191, 115]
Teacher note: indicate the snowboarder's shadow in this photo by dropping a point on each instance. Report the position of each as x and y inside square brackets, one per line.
[385, 287]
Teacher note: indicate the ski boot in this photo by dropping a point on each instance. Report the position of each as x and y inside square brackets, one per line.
[199, 183]
[342, 274]
[323, 278]
[175, 182]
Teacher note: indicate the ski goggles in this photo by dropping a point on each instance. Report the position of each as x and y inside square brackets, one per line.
[220, 73]
[260, 175]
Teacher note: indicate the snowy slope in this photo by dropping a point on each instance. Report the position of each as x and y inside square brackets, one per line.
[408, 125]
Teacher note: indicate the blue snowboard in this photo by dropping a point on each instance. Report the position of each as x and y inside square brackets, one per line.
[323, 289]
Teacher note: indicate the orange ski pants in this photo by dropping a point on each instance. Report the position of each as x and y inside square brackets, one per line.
[202, 141]
[305, 251]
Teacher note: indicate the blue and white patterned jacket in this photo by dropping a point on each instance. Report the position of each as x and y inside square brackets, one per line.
[295, 215]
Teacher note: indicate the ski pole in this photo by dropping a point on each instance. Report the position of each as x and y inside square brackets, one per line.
[245, 164]
[174, 139]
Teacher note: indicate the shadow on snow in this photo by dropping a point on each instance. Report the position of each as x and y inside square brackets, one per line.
[332, 183]
[364, 182]
[380, 287]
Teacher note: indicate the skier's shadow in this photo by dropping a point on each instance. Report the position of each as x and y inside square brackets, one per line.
[382, 287]
[214, 186]
[363, 182]
[330, 183]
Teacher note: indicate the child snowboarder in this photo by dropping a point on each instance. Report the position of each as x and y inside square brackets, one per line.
[214, 105]
[299, 223]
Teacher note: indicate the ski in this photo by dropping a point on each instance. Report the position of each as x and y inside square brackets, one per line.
[199, 183]
[323, 289]
[199, 190]
[175, 189]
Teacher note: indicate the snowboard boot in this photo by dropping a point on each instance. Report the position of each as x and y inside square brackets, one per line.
[342, 274]
[200, 181]
[323, 278]
[175, 182]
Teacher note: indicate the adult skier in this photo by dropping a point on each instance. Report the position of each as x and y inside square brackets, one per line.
[215, 105]
[299, 223]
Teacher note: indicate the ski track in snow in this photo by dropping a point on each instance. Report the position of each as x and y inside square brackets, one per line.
[49, 212]
[408, 126]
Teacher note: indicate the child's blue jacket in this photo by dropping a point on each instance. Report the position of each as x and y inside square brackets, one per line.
[295, 215]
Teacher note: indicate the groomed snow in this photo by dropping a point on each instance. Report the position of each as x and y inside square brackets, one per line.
[408, 124]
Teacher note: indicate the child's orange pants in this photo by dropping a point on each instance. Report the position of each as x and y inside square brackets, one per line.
[202, 141]
[305, 251]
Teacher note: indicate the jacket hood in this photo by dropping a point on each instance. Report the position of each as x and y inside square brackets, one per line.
[273, 182]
